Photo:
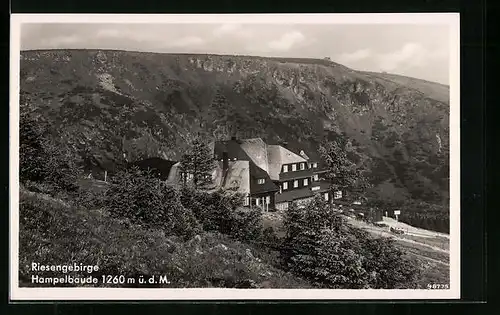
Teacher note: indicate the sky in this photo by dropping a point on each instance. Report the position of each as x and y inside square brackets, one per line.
[420, 51]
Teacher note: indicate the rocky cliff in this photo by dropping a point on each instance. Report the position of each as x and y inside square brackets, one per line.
[111, 105]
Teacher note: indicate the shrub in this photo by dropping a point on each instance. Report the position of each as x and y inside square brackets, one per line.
[320, 246]
[270, 239]
[32, 156]
[89, 198]
[221, 211]
[138, 196]
[246, 224]
[45, 165]
[389, 267]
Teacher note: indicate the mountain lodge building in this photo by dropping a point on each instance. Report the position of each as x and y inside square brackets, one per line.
[270, 177]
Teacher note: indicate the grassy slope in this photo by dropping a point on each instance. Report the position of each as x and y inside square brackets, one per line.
[52, 232]
[434, 90]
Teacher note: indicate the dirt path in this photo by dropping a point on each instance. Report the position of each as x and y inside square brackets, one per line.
[411, 230]
[382, 232]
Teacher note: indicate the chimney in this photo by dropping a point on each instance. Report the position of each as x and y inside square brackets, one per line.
[225, 167]
[225, 162]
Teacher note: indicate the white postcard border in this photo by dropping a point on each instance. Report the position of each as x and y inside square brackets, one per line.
[43, 294]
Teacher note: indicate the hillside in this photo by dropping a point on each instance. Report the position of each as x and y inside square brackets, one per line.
[110, 105]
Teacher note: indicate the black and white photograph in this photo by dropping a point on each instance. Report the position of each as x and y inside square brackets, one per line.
[304, 156]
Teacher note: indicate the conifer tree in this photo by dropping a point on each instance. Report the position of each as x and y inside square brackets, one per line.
[199, 163]
[342, 173]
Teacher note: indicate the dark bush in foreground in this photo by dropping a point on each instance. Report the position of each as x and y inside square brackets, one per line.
[246, 224]
[222, 212]
[387, 264]
[321, 247]
[143, 199]
[44, 165]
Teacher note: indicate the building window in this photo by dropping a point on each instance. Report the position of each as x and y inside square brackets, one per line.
[187, 176]
[315, 188]
[315, 165]
[337, 195]
[306, 181]
[326, 196]
[246, 202]
[302, 166]
[285, 185]
[261, 181]
[285, 168]
[295, 183]
[282, 206]
[315, 177]
[294, 167]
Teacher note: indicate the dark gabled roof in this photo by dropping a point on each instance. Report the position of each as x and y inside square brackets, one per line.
[256, 149]
[234, 150]
[257, 173]
[313, 156]
[158, 166]
[294, 194]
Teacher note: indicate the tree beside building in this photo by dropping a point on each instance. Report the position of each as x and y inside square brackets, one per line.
[342, 174]
[197, 165]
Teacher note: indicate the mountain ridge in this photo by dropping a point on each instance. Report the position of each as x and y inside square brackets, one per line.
[306, 60]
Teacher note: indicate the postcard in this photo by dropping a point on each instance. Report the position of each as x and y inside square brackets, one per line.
[235, 157]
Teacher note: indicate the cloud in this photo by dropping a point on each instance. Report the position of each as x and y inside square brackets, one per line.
[410, 55]
[187, 42]
[233, 29]
[227, 29]
[355, 56]
[287, 41]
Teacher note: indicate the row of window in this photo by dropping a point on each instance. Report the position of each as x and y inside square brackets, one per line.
[302, 166]
[296, 183]
[315, 177]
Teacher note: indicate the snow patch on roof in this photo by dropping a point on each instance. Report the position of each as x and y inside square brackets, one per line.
[256, 149]
[238, 177]
[277, 156]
